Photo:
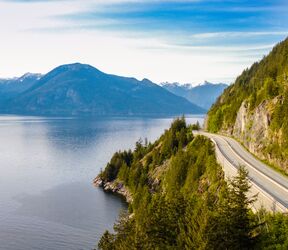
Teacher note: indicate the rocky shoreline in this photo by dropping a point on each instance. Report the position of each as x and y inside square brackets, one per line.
[114, 187]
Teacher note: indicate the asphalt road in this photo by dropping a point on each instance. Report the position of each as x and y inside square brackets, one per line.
[272, 185]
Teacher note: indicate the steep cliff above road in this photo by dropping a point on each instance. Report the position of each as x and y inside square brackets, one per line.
[255, 108]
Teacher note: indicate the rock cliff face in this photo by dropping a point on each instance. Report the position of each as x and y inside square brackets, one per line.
[252, 128]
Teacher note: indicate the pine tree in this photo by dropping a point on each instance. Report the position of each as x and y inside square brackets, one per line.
[232, 225]
[107, 241]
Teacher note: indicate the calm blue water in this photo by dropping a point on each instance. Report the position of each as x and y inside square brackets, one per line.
[47, 165]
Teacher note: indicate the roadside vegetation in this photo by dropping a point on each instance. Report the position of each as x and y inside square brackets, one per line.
[181, 200]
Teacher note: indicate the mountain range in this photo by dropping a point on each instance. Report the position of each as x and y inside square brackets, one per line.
[203, 94]
[80, 89]
[12, 87]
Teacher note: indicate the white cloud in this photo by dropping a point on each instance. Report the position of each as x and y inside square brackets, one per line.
[237, 34]
[23, 48]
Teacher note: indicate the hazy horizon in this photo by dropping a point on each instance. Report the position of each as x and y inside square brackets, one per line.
[194, 84]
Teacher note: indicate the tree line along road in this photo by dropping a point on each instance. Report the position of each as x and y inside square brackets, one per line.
[271, 186]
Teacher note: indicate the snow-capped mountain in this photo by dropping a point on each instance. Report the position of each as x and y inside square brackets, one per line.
[203, 94]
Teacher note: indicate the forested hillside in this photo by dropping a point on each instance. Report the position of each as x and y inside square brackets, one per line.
[180, 200]
[255, 108]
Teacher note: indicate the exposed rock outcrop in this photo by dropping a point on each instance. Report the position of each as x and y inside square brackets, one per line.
[252, 128]
[114, 187]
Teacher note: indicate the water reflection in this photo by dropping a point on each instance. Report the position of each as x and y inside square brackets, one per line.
[47, 165]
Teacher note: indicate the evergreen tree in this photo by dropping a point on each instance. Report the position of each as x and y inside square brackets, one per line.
[232, 225]
[107, 241]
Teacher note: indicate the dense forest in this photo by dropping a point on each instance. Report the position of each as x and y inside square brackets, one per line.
[262, 88]
[181, 200]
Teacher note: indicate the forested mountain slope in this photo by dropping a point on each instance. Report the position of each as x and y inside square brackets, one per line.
[180, 200]
[255, 108]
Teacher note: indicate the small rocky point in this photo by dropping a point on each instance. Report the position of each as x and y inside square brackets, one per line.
[114, 187]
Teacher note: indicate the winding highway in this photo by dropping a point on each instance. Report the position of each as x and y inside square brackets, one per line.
[271, 186]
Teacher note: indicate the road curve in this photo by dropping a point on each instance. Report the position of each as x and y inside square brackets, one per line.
[271, 186]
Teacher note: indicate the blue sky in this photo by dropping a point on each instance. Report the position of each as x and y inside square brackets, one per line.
[164, 40]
